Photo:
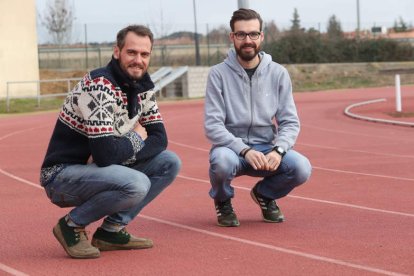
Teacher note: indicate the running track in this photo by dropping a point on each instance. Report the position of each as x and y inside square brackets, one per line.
[354, 217]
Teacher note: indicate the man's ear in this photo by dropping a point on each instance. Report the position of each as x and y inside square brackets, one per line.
[231, 37]
[117, 52]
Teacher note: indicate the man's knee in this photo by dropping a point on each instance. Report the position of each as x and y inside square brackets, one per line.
[223, 161]
[302, 171]
[171, 163]
[137, 187]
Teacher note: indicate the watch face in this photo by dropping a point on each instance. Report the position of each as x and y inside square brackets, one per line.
[280, 151]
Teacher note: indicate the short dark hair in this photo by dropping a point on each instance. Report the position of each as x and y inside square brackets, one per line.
[245, 14]
[139, 30]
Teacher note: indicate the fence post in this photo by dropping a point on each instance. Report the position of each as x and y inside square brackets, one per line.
[38, 93]
[7, 98]
[397, 93]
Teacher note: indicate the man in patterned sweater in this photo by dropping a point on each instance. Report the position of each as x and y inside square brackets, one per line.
[107, 155]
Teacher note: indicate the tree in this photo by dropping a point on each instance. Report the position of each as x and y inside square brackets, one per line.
[400, 26]
[58, 20]
[295, 22]
[271, 31]
[334, 29]
[219, 35]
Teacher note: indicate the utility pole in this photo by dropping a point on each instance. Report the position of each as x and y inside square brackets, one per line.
[243, 4]
[197, 46]
[86, 47]
[358, 21]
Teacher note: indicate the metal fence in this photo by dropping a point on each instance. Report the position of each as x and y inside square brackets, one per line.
[161, 78]
[86, 58]
[38, 96]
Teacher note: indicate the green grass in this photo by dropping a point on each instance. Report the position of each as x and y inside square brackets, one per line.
[30, 105]
[401, 114]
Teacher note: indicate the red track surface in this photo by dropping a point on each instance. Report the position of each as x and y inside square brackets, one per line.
[354, 217]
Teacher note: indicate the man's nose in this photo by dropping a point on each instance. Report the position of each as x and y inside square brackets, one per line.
[138, 58]
[248, 39]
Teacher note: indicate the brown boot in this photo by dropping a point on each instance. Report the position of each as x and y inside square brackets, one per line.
[75, 241]
[121, 240]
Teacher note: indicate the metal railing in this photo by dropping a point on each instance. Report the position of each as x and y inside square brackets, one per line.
[161, 78]
[38, 95]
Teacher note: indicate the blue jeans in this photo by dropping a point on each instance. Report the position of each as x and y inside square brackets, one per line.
[225, 165]
[115, 192]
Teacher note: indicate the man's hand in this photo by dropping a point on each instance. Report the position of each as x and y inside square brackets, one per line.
[273, 159]
[90, 160]
[141, 131]
[257, 160]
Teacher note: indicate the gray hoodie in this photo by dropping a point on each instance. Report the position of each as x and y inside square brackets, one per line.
[240, 112]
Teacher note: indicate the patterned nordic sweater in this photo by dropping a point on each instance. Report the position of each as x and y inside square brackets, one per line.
[98, 118]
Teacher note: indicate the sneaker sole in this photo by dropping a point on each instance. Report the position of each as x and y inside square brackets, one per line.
[264, 219]
[228, 225]
[59, 236]
[106, 246]
[273, 221]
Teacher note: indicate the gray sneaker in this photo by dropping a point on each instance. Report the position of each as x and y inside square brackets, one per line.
[225, 214]
[270, 211]
[75, 241]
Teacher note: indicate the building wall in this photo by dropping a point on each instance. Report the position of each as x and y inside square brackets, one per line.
[196, 82]
[18, 47]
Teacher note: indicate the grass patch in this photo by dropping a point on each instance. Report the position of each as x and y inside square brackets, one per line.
[31, 105]
[401, 114]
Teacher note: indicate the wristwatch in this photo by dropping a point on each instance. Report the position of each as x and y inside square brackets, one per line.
[280, 150]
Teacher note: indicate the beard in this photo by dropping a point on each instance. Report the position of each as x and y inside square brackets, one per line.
[247, 56]
[129, 70]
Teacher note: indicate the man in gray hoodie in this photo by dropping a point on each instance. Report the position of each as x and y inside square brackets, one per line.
[252, 123]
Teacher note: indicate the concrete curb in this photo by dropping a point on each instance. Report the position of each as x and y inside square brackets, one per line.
[348, 112]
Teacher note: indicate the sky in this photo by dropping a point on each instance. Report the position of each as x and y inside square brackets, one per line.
[103, 18]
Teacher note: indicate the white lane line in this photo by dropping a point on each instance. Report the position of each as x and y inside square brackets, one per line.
[357, 151]
[187, 146]
[316, 167]
[400, 138]
[20, 179]
[11, 270]
[313, 199]
[274, 248]
[364, 174]
[248, 189]
[348, 112]
[18, 132]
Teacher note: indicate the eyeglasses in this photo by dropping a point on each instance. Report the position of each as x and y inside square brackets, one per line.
[242, 35]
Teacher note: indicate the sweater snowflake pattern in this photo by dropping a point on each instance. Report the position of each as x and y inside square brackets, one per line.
[98, 119]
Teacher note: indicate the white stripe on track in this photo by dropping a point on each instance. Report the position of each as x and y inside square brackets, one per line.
[356, 151]
[320, 168]
[19, 131]
[187, 146]
[20, 179]
[247, 189]
[274, 248]
[313, 199]
[364, 174]
[11, 271]
[249, 242]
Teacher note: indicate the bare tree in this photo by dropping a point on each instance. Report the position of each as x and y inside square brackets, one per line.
[219, 35]
[161, 31]
[272, 32]
[58, 20]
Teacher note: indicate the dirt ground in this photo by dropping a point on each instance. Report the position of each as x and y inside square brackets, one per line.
[58, 86]
[305, 77]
